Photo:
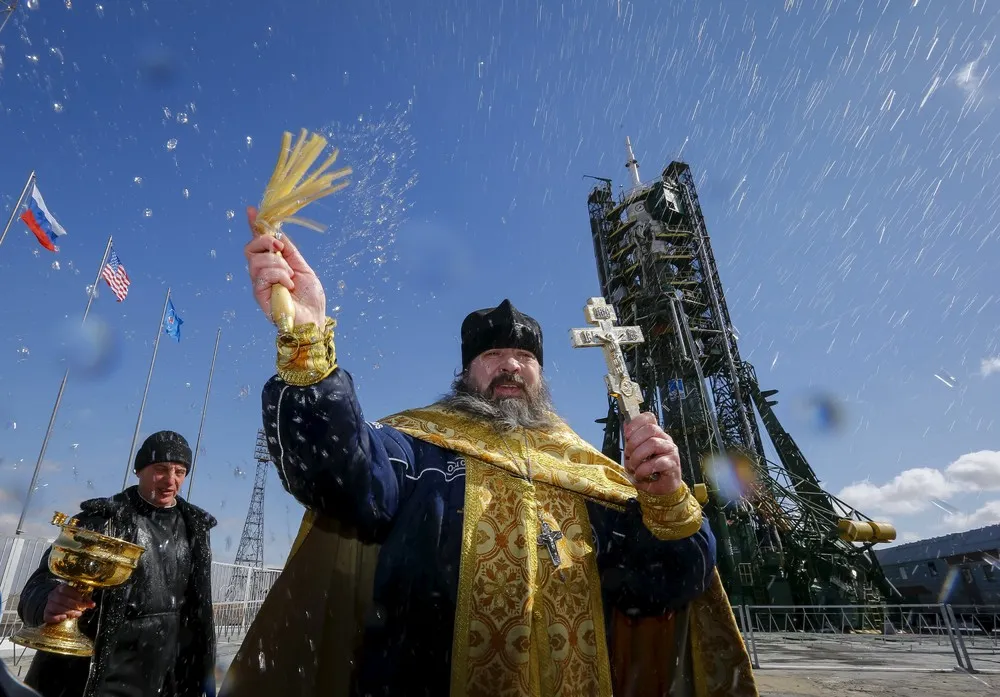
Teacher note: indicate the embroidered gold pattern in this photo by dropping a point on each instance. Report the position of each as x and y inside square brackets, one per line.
[509, 594]
[306, 355]
[673, 517]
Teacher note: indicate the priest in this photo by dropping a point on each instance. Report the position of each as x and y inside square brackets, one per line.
[476, 546]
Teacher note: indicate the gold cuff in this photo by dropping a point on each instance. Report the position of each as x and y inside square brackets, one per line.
[306, 355]
[675, 516]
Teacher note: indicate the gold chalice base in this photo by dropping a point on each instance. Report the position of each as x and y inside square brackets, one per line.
[63, 638]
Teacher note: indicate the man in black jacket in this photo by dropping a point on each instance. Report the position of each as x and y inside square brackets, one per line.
[154, 634]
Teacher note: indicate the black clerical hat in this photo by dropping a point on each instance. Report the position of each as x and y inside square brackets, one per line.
[163, 446]
[499, 327]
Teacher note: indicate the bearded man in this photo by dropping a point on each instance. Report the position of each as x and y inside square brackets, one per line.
[477, 546]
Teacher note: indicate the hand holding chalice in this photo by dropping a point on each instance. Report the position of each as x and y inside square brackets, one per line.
[86, 560]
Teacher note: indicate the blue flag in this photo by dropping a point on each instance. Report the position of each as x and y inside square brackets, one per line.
[172, 322]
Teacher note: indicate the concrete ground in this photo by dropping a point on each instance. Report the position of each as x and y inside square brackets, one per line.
[903, 676]
[781, 682]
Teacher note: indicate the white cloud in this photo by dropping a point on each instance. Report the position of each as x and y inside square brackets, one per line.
[913, 490]
[967, 79]
[989, 366]
[980, 471]
[906, 493]
[985, 515]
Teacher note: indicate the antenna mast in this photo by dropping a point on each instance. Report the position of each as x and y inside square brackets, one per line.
[7, 8]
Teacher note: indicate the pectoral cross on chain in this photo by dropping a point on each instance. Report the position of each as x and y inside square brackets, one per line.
[548, 538]
[611, 339]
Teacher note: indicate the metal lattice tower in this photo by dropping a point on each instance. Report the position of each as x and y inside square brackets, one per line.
[785, 541]
[251, 549]
[244, 584]
[7, 8]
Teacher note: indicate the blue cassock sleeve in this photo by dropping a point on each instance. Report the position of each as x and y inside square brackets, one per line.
[644, 576]
[330, 459]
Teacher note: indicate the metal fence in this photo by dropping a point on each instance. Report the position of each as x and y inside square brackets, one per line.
[237, 591]
[845, 637]
[873, 637]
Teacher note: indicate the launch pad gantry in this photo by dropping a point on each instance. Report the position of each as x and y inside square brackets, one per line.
[783, 540]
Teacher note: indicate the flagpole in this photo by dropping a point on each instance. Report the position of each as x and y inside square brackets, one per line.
[149, 377]
[59, 395]
[204, 408]
[17, 205]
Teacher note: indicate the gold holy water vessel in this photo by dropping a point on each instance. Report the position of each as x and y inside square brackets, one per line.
[86, 560]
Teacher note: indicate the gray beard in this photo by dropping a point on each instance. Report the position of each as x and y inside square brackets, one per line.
[532, 411]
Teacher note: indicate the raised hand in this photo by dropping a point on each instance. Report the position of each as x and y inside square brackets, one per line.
[271, 260]
[649, 450]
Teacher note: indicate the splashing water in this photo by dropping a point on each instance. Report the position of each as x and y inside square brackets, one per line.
[381, 152]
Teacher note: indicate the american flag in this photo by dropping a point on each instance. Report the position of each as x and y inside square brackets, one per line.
[114, 273]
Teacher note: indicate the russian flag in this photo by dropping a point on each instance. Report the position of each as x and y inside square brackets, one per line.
[41, 222]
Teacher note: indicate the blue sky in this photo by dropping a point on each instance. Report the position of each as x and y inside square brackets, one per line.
[846, 160]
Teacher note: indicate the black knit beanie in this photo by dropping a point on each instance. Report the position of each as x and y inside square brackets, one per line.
[163, 446]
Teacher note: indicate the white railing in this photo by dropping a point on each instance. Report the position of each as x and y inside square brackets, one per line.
[875, 637]
[237, 591]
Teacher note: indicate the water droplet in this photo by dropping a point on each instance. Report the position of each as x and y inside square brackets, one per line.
[33, 59]
[211, 253]
[23, 353]
[347, 77]
[148, 212]
[341, 284]
[12, 426]
[69, 4]
[230, 214]
[57, 53]
[137, 180]
[57, 107]
[166, 112]
[244, 391]
[32, 4]
[182, 117]
[55, 265]
[249, 142]
[229, 277]
[100, 10]
[187, 384]
[171, 144]
[294, 77]
[187, 194]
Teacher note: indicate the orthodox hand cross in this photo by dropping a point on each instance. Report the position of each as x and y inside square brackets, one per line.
[611, 339]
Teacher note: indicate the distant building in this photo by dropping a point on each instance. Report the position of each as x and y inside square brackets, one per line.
[958, 569]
